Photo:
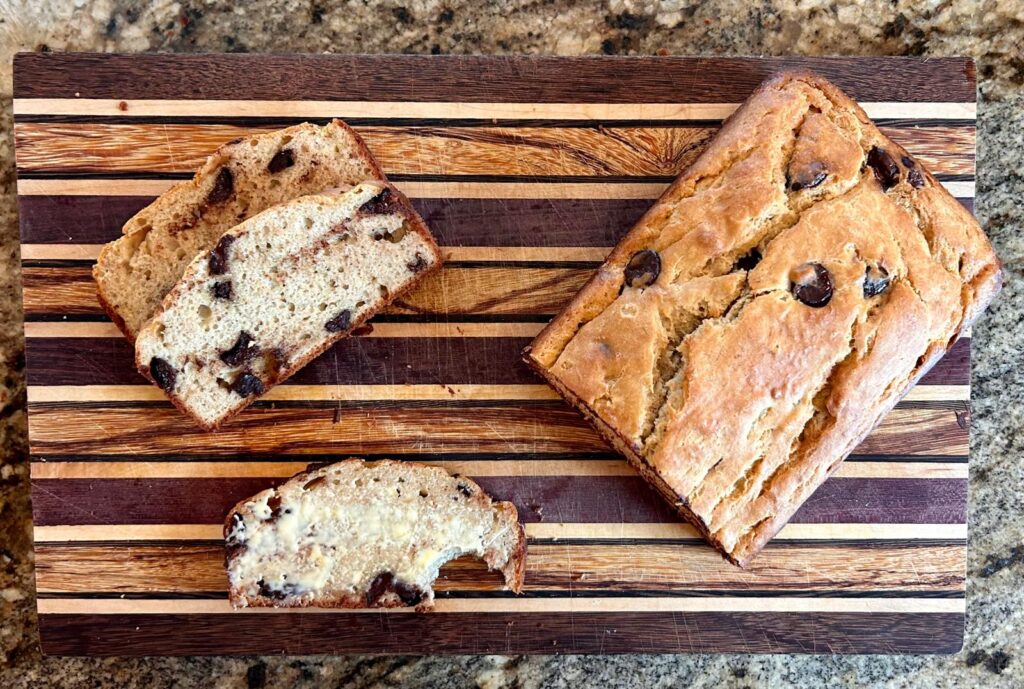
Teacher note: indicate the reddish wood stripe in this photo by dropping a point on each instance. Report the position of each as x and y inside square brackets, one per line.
[572, 499]
[473, 78]
[168, 568]
[454, 222]
[361, 360]
[609, 151]
[760, 632]
[375, 429]
[492, 289]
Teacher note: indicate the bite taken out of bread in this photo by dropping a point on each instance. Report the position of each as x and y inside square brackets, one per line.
[361, 534]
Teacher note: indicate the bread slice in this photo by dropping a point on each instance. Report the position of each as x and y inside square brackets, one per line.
[277, 291]
[243, 178]
[365, 534]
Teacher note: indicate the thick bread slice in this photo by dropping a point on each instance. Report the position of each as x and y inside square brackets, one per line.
[357, 534]
[239, 180]
[277, 291]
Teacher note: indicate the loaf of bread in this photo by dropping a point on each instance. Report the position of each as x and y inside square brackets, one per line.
[361, 535]
[276, 291]
[771, 307]
[241, 179]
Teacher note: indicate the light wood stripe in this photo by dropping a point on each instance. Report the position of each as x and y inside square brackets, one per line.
[85, 329]
[569, 604]
[319, 393]
[89, 252]
[444, 110]
[541, 530]
[415, 189]
[447, 329]
[352, 393]
[525, 467]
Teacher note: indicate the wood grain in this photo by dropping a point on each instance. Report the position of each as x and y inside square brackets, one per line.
[564, 533]
[521, 151]
[366, 360]
[457, 187]
[508, 633]
[336, 428]
[649, 567]
[570, 499]
[475, 78]
[453, 221]
[528, 170]
[452, 291]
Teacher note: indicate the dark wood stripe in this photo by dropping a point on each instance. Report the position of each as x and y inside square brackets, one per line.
[454, 222]
[552, 594]
[573, 499]
[360, 360]
[474, 78]
[752, 632]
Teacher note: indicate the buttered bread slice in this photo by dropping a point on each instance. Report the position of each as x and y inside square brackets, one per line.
[357, 534]
[276, 291]
[241, 179]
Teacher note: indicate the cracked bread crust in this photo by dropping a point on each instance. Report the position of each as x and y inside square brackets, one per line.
[834, 271]
[359, 534]
[240, 179]
[277, 291]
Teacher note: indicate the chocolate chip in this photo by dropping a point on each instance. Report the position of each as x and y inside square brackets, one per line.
[163, 373]
[887, 172]
[876, 281]
[418, 264]
[643, 268]
[222, 290]
[749, 260]
[282, 160]
[408, 593]
[383, 202]
[810, 177]
[243, 350]
[234, 545]
[907, 161]
[276, 592]
[247, 384]
[219, 256]
[340, 322]
[380, 585]
[223, 186]
[274, 503]
[465, 490]
[811, 284]
[915, 178]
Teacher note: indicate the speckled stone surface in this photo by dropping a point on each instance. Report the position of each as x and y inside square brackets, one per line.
[992, 31]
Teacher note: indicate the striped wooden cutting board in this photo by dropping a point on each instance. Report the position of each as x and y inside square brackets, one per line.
[528, 170]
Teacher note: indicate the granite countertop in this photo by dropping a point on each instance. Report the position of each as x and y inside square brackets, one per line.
[989, 30]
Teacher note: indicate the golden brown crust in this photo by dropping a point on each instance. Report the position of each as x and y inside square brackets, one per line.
[746, 412]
